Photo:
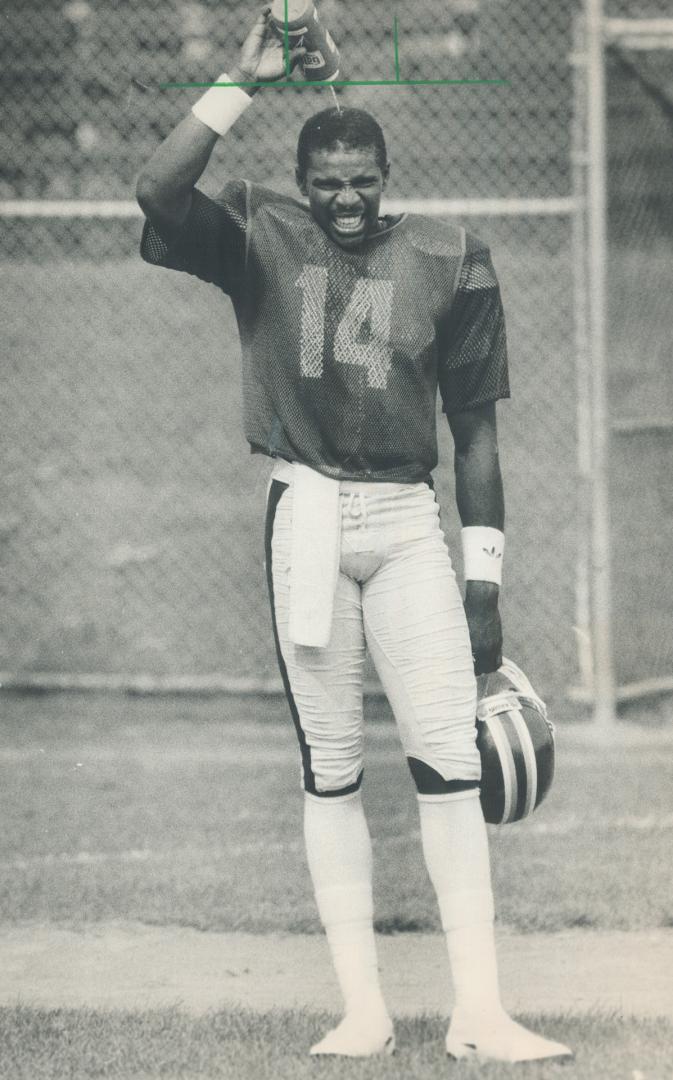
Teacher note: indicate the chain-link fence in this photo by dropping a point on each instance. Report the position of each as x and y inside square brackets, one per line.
[639, 75]
[84, 109]
[130, 522]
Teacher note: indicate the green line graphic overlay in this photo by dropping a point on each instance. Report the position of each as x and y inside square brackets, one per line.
[282, 84]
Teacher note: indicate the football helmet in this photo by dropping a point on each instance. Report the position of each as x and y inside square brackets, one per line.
[515, 738]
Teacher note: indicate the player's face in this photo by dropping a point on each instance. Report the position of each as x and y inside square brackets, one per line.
[344, 188]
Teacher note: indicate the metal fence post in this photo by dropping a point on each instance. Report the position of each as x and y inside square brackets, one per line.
[604, 683]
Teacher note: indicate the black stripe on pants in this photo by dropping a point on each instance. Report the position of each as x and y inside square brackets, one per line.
[275, 493]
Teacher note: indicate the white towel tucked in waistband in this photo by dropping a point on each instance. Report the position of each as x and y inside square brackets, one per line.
[315, 548]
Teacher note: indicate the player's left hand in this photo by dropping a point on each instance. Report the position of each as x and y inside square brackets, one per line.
[483, 620]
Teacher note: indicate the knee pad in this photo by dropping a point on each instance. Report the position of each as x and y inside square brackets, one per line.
[429, 782]
[311, 788]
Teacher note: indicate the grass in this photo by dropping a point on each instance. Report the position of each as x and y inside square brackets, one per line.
[181, 811]
[241, 1045]
[188, 812]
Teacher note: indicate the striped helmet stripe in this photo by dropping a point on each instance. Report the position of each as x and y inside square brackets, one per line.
[529, 758]
[506, 764]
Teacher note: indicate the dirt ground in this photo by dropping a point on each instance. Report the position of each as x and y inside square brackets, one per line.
[130, 965]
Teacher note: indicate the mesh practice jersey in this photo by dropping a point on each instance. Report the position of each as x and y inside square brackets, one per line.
[344, 350]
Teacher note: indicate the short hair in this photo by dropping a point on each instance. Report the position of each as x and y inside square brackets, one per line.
[353, 128]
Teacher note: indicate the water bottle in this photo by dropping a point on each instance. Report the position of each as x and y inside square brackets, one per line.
[321, 60]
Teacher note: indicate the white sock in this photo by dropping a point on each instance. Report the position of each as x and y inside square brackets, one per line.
[455, 847]
[339, 854]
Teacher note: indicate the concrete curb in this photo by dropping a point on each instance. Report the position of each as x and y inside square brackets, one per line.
[130, 965]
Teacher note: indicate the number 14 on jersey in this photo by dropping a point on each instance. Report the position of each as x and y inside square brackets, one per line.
[362, 336]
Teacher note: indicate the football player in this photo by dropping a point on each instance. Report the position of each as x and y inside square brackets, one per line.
[350, 322]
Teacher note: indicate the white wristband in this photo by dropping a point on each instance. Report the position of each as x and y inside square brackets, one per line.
[483, 549]
[221, 106]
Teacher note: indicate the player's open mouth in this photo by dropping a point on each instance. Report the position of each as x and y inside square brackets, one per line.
[348, 223]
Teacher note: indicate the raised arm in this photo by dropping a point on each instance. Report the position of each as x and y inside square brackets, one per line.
[480, 501]
[166, 183]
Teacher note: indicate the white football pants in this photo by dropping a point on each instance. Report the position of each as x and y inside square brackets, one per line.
[397, 595]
